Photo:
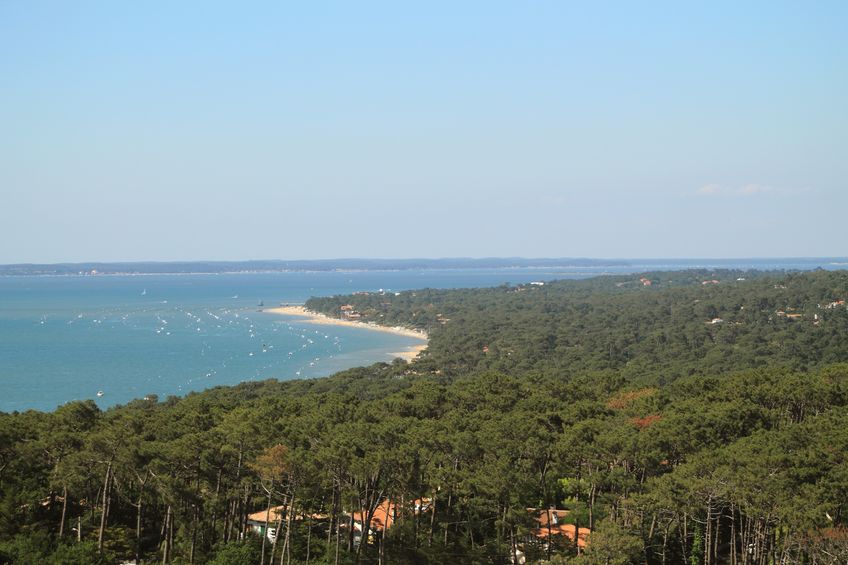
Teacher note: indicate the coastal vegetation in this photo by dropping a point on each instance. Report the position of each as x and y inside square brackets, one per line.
[678, 417]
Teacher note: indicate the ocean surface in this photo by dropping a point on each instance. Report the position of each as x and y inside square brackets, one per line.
[72, 337]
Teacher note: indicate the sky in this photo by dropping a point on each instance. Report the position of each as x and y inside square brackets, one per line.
[305, 130]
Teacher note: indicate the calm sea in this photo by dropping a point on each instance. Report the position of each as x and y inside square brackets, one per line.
[67, 338]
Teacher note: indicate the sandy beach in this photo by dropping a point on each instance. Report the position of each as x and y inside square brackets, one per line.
[316, 318]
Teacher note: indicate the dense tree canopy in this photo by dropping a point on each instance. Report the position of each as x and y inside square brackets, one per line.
[671, 436]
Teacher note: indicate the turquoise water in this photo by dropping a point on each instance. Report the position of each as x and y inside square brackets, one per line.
[67, 338]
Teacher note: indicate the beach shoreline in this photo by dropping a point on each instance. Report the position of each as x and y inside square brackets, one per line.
[322, 319]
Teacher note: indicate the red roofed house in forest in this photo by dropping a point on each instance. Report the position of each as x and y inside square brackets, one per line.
[384, 517]
[276, 515]
[550, 529]
[550, 521]
[257, 521]
[386, 513]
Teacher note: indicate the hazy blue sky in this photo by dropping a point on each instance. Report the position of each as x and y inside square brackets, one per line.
[180, 130]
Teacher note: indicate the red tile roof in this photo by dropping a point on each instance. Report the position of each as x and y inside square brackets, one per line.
[554, 516]
[260, 516]
[277, 511]
[386, 513]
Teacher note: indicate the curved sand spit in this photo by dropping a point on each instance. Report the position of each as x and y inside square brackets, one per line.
[316, 318]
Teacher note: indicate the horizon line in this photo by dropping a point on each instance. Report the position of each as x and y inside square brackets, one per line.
[431, 259]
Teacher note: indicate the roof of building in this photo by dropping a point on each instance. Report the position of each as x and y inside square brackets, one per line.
[386, 513]
[277, 511]
[554, 516]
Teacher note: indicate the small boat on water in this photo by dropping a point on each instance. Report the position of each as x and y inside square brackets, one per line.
[99, 393]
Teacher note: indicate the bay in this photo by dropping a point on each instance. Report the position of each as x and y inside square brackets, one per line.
[72, 337]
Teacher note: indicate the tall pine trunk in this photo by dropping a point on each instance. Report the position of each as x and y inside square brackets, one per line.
[267, 520]
[166, 531]
[277, 531]
[432, 522]
[289, 520]
[104, 506]
[64, 510]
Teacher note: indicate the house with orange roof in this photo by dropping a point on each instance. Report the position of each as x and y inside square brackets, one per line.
[264, 522]
[550, 523]
[385, 516]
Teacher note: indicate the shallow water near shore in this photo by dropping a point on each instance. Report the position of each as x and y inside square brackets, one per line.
[70, 338]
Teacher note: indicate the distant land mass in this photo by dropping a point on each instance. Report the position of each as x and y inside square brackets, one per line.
[193, 267]
[196, 267]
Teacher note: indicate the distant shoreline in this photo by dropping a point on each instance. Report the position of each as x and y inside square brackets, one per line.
[589, 265]
[322, 319]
